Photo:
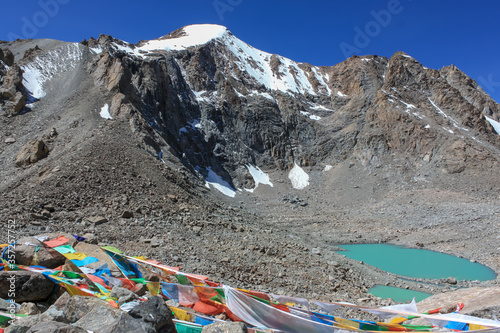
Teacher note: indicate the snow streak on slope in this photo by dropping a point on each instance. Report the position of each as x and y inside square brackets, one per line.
[494, 123]
[298, 177]
[290, 78]
[219, 184]
[48, 65]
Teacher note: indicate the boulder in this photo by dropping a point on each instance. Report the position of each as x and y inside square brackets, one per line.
[148, 317]
[32, 152]
[96, 252]
[451, 280]
[23, 325]
[100, 317]
[155, 313]
[79, 306]
[61, 302]
[29, 286]
[18, 103]
[29, 308]
[6, 305]
[26, 251]
[127, 214]
[7, 57]
[225, 328]
[14, 78]
[55, 327]
[97, 220]
[123, 295]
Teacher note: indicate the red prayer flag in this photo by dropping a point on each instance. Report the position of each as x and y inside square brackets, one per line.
[56, 242]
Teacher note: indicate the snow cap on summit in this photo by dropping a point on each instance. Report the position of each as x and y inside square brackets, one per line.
[185, 37]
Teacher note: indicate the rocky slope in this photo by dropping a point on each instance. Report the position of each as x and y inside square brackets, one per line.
[371, 149]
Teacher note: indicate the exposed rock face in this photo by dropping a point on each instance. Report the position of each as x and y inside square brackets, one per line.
[31, 153]
[12, 92]
[222, 105]
[7, 57]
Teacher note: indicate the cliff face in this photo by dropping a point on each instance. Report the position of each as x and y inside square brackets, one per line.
[206, 98]
[222, 105]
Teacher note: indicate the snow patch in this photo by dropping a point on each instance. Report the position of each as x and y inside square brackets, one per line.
[340, 94]
[257, 64]
[193, 125]
[96, 50]
[262, 94]
[48, 65]
[105, 112]
[328, 167]
[448, 130]
[453, 121]
[311, 116]
[494, 123]
[219, 184]
[197, 34]
[298, 177]
[321, 108]
[259, 177]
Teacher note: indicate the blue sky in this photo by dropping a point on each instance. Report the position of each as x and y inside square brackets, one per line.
[436, 33]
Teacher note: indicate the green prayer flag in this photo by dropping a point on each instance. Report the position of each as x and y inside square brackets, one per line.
[63, 249]
[112, 249]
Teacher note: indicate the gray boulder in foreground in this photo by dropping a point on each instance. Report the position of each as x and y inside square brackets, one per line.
[225, 328]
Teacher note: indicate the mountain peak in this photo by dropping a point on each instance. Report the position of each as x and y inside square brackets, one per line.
[191, 35]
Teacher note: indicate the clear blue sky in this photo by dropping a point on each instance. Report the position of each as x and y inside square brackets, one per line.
[436, 32]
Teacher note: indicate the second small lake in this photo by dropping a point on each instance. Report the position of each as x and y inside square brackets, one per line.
[398, 294]
[418, 263]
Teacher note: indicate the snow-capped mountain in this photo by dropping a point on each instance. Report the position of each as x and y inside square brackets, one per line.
[225, 108]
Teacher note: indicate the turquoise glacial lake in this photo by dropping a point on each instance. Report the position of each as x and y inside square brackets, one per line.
[419, 263]
[398, 294]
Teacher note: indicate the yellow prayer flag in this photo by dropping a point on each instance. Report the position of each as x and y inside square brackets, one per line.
[75, 256]
[72, 290]
[181, 314]
[154, 288]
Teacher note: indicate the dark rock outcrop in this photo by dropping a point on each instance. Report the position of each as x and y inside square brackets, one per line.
[13, 95]
[208, 107]
[29, 286]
